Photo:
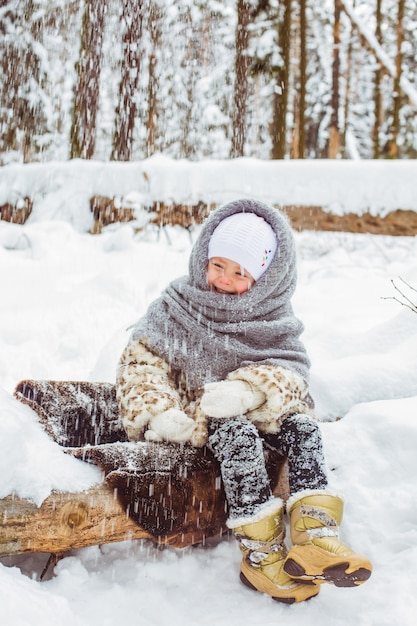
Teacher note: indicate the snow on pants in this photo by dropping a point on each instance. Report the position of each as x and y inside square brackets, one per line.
[239, 448]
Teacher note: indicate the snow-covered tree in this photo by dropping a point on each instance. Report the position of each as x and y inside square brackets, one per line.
[132, 21]
[207, 79]
[24, 101]
[87, 87]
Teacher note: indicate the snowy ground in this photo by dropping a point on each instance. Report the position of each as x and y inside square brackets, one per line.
[67, 299]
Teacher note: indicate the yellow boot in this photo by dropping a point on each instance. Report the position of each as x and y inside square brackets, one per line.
[261, 542]
[318, 555]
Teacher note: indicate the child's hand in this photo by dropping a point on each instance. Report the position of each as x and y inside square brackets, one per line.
[171, 425]
[229, 398]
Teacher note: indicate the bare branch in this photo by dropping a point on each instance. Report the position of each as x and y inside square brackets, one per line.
[404, 300]
[408, 284]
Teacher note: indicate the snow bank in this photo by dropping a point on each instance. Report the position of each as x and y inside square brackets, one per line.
[62, 190]
[32, 461]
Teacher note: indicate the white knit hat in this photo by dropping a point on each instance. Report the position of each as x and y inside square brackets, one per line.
[247, 239]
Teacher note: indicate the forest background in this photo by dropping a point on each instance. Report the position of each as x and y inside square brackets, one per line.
[202, 79]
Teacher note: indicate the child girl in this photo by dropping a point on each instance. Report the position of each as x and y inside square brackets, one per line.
[217, 361]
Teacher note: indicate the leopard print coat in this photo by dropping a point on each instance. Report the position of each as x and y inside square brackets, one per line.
[147, 386]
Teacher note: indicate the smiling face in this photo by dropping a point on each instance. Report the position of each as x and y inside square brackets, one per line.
[226, 276]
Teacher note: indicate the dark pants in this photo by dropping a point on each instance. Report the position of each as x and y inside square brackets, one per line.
[239, 447]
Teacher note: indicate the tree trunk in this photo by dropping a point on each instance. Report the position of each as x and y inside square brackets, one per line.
[395, 126]
[87, 88]
[241, 87]
[155, 32]
[346, 110]
[303, 81]
[132, 19]
[377, 88]
[22, 98]
[280, 101]
[191, 62]
[334, 130]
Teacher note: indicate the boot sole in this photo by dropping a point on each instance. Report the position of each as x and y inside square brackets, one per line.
[246, 582]
[269, 589]
[336, 574]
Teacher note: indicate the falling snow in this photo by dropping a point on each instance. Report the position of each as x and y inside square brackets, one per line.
[67, 300]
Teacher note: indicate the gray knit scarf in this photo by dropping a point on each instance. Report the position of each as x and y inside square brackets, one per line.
[205, 335]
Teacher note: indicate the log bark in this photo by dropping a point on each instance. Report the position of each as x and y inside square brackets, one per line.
[17, 213]
[397, 223]
[302, 217]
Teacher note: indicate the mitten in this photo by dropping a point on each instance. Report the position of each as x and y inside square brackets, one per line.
[170, 425]
[228, 398]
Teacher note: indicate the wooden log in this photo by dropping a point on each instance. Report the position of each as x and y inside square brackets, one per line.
[170, 493]
[180, 214]
[64, 521]
[107, 211]
[176, 510]
[17, 213]
[396, 223]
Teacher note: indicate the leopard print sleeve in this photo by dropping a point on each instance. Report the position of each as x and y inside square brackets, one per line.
[286, 393]
[143, 388]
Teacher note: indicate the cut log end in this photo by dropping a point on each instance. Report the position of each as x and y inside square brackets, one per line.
[64, 521]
